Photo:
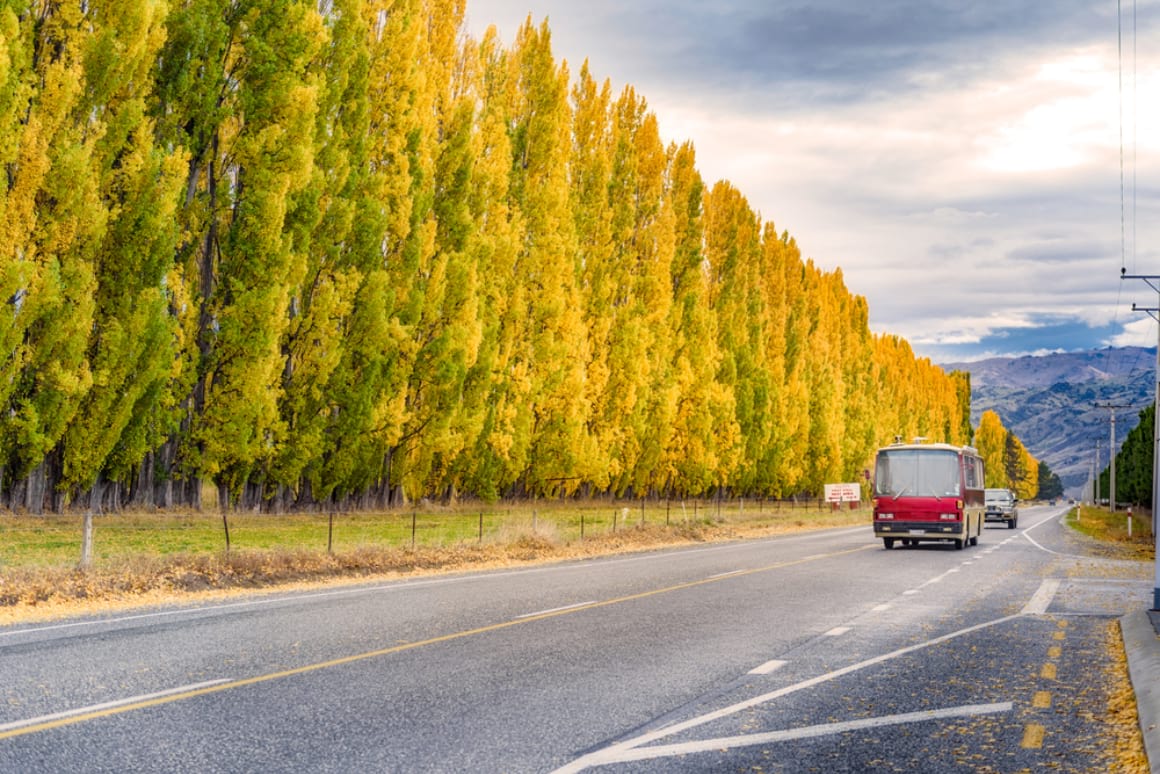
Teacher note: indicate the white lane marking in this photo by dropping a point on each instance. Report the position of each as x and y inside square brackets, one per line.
[837, 631]
[938, 578]
[556, 609]
[910, 592]
[109, 705]
[612, 753]
[731, 572]
[1041, 600]
[1035, 543]
[810, 732]
[880, 608]
[767, 667]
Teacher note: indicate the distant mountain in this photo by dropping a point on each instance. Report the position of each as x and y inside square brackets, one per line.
[1054, 403]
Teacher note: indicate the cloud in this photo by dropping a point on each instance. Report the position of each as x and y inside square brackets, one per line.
[1138, 333]
[959, 161]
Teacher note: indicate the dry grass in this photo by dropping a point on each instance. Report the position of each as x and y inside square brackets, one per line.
[1111, 532]
[38, 592]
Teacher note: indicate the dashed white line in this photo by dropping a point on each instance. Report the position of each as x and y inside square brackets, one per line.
[557, 609]
[767, 667]
[837, 631]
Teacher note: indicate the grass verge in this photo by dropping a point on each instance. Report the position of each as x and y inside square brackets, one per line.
[1111, 530]
[151, 558]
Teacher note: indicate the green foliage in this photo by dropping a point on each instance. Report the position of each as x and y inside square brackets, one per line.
[342, 252]
[1050, 487]
[1134, 463]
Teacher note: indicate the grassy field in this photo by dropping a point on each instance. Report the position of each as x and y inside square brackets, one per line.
[54, 540]
[150, 556]
[1111, 529]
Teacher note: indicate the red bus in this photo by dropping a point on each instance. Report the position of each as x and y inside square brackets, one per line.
[928, 491]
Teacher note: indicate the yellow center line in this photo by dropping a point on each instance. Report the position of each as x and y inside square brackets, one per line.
[307, 668]
[1042, 700]
[1048, 671]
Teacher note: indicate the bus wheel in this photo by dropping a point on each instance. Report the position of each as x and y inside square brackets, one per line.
[958, 545]
[888, 542]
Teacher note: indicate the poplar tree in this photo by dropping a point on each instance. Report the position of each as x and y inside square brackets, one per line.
[703, 413]
[554, 354]
[54, 219]
[494, 385]
[442, 311]
[22, 154]
[860, 427]
[195, 102]
[962, 386]
[368, 385]
[792, 469]
[733, 252]
[592, 200]
[133, 343]
[323, 221]
[655, 243]
[991, 441]
[769, 475]
[823, 457]
[266, 159]
[635, 192]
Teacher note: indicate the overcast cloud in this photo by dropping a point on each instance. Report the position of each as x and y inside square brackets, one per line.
[959, 161]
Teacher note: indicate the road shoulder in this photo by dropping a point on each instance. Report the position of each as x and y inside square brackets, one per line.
[1142, 646]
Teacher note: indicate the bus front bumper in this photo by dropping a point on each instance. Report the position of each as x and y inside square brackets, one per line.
[930, 530]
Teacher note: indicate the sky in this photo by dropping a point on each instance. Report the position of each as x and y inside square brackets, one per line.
[982, 171]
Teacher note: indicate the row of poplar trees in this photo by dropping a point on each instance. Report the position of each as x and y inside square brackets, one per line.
[339, 252]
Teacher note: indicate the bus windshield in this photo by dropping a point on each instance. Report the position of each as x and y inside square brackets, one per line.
[916, 473]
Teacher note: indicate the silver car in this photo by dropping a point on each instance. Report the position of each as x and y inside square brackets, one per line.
[1001, 506]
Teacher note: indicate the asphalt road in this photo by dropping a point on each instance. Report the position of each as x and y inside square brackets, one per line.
[815, 652]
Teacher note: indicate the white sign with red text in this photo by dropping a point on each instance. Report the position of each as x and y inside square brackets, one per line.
[843, 493]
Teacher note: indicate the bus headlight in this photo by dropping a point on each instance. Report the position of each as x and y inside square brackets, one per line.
[949, 516]
[884, 516]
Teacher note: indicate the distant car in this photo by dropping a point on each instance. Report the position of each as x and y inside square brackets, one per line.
[1001, 506]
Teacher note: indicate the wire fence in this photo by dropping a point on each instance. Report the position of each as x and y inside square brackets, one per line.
[56, 539]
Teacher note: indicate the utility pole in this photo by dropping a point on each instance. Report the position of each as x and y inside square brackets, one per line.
[1112, 451]
[1153, 281]
[1096, 477]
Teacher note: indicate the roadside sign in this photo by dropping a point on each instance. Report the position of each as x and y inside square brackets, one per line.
[843, 493]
